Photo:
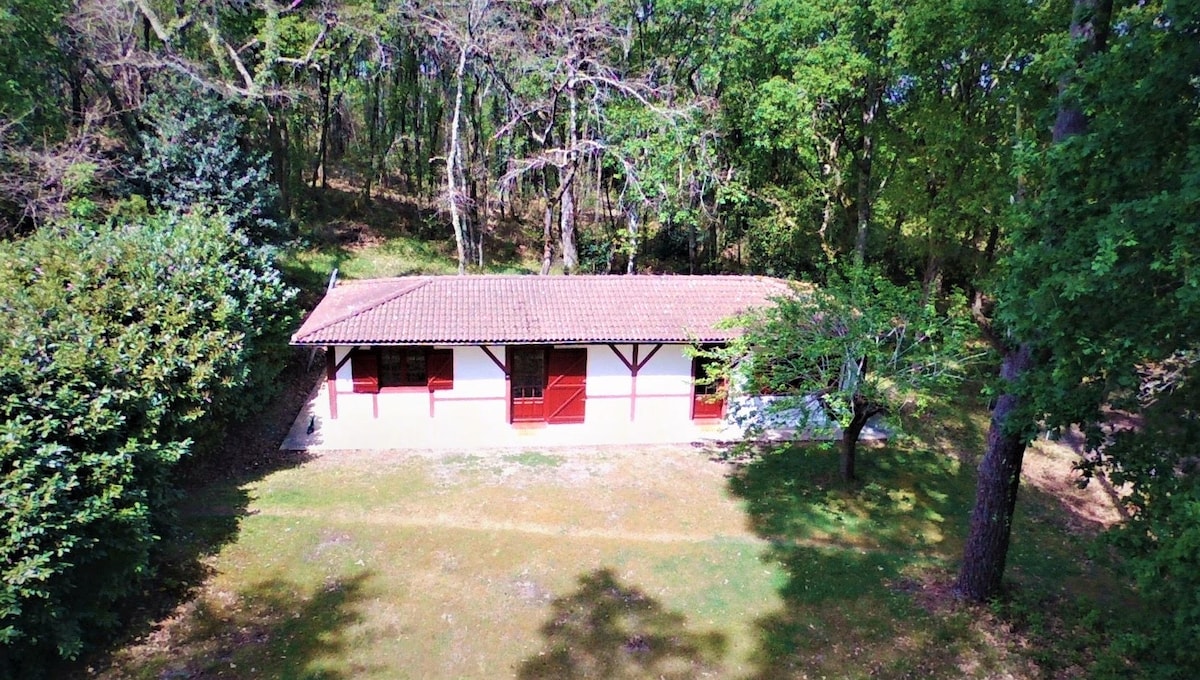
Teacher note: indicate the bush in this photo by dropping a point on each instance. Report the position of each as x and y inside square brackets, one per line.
[192, 155]
[119, 344]
[1161, 540]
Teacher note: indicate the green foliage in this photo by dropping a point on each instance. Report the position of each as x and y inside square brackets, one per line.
[965, 101]
[1161, 541]
[193, 155]
[30, 57]
[121, 344]
[860, 343]
[1102, 278]
[1103, 271]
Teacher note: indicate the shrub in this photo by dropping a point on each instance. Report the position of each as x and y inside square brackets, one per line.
[119, 343]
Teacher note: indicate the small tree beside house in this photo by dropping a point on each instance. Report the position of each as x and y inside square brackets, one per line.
[836, 356]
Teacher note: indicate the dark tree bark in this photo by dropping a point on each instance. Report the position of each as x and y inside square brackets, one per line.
[865, 198]
[280, 158]
[986, 549]
[863, 412]
[325, 87]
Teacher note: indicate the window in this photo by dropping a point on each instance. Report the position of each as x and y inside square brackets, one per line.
[528, 373]
[402, 367]
[700, 380]
[707, 395]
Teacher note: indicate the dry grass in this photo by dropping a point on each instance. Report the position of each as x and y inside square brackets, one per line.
[370, 565]
[612, 563]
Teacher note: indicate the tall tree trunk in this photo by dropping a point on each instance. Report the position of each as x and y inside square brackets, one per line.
[567, 190]
[863, 412]
[986, 549]
[323, 82]
[280, 157]
[691, 245]
[866, 163]
[454, 161]
[631, 217]
[374, 103]
[547, 227]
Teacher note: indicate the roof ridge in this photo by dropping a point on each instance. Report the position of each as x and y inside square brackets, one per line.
[421, 282]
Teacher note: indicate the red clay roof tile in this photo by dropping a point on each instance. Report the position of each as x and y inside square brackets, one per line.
[425, 310]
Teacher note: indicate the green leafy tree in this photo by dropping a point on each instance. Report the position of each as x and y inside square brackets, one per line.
[193, 155]
[965, 99]
[810, 99]
[1020, 338]
[31, 61]
[1102, 286]
[858, 346]
[122, 344]
[1161, 539]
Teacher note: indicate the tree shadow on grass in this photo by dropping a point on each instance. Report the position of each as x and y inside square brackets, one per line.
[214, 500]
[269, 629]
[608, 630]
[868, 565]
[907, 498]
[850, 553]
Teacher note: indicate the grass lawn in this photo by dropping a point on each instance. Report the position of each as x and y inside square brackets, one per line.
[629, 563]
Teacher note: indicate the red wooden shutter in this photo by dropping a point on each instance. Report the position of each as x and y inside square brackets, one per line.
[439, 366]
[364, 368]
[566, 386]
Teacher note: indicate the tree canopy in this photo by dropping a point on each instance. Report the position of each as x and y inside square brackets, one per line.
[846, 351]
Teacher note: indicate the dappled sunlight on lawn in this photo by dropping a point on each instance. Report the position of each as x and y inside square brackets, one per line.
[869, 564]
[608, 563]
[269, 629]
[909, 499]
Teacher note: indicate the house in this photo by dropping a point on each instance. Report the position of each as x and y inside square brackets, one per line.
[462, 361]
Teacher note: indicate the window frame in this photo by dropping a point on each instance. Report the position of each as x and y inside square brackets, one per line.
[402, 365]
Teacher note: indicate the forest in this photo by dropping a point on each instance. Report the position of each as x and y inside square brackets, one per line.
[1032, 165]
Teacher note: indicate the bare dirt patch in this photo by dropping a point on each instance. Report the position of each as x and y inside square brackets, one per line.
[1050, 467]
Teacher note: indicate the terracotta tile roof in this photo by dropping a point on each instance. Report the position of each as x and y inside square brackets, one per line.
[424, 310]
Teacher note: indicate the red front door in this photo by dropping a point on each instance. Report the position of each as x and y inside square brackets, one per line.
[548, 385]
[566, 386]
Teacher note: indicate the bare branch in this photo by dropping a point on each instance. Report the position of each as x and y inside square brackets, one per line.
[986, 326]
[155, 24]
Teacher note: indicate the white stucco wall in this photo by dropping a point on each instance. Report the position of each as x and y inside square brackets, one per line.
[478, 400]
[478, 393]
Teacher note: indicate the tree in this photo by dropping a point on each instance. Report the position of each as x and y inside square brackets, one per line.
[860, 346]
[964, 102]
[32, 61]
[1101, 283]
[572, 75]
[193, 157]
[124, 345]
[462, 31]
[810, 101]
[1029, 349]
[1160, 541]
